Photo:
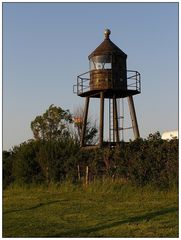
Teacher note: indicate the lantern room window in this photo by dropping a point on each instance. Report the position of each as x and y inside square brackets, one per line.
[100, 62]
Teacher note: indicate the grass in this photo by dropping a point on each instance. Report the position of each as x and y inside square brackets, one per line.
[102, 209]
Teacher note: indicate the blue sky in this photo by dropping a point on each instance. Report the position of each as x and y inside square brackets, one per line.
[46, 45]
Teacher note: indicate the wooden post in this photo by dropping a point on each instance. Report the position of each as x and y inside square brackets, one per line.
[78, 169]
[47, 174]
[87, 176]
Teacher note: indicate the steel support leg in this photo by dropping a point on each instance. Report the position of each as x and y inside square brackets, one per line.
[101, 125]
[110, 137]
[115, 114]
[133, 117]
[82, 143]
[113, 122]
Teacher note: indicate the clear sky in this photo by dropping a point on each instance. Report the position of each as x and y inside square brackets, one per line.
[46, 45]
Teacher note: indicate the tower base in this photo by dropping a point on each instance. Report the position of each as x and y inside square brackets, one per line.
[113, 118]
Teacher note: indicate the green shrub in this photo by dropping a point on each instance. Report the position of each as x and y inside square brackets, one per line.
[7, 168]
[26, 169]
[141, 162]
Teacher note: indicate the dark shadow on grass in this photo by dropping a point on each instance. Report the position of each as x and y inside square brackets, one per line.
[131, 220]
[34, 207]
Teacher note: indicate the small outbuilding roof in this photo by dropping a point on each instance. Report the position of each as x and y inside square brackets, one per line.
[170, 135]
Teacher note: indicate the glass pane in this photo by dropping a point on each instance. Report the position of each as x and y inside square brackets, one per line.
[92, 65]
[107, 66]
[100, 62]
[99, 65]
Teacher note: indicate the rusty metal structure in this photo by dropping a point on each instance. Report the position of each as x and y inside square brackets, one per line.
[108, 78]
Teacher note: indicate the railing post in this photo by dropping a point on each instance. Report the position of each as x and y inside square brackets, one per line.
[82, 85]
[77, 85]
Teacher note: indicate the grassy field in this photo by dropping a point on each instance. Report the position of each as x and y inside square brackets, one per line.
[100, 210]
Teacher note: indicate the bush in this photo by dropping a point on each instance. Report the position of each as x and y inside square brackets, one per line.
[143, 161]
[26, 168]
[7, 168]
[150, 161]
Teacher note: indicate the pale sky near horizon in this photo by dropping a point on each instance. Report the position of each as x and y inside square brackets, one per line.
[46, 45]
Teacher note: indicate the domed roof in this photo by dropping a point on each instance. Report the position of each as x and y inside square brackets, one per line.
[107, 47]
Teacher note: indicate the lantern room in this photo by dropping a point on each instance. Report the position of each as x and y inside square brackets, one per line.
[108, 72]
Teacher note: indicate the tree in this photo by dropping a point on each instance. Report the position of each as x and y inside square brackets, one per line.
[53, 124]
[91, 128]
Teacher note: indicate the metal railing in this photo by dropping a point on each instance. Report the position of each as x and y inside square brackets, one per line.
[133, 80]
[83, 82]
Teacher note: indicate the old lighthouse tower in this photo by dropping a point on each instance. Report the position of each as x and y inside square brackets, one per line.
[108, 79]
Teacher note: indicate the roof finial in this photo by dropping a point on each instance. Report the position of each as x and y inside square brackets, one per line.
[107, 32]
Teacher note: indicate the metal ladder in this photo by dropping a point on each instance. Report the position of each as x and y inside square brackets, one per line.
[120, 120]
[121, 117]
[111, 125]
[122, 128]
